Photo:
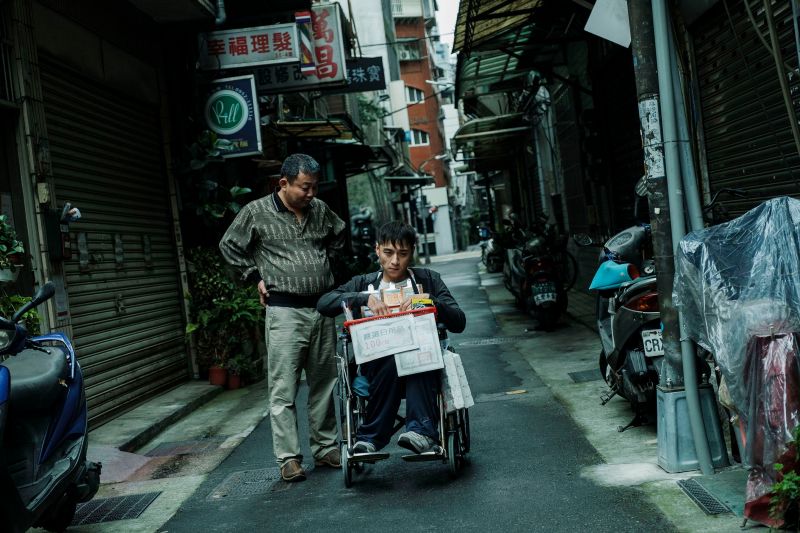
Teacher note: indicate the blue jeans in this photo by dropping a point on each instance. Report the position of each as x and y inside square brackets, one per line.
[385, 393]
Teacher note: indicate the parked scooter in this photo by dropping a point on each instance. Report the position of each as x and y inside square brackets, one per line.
[535, 275]
[628, 319]
[44, 473]
[492, 253]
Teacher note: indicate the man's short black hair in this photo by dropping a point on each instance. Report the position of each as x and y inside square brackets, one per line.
[397, 232]
[297, 163]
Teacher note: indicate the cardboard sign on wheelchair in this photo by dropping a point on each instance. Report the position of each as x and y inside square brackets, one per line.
[410, 336]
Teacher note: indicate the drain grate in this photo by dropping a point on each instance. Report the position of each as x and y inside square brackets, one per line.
[110, 509]
[492, 340]
[705, 500]
[584, 376]
[248, 483]
[185, 447]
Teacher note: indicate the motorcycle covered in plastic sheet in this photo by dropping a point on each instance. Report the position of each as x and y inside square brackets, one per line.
[738, 288]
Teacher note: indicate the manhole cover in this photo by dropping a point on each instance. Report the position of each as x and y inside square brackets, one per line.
[593, 374]
[248, 483]
[186, 447]
[705, 500]
[110, 509]
[491, 340]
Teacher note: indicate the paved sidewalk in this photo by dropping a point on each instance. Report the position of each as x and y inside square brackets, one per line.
[571, 352]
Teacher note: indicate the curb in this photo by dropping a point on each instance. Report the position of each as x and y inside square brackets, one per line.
[147, 434]
[137, 427]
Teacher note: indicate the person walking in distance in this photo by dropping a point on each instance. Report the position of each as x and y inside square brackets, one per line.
[283, 242]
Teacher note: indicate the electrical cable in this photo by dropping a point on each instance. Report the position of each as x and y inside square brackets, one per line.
[761, 37]
[404, 41]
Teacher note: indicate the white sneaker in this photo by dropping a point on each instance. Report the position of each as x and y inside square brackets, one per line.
[411, 440]
[363, 446]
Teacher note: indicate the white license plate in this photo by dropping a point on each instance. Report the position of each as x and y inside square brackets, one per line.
[539, 299]
[653, 347]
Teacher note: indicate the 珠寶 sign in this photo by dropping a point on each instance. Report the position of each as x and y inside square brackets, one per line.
[247, 47]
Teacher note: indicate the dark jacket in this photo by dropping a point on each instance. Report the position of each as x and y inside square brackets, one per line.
[448, 311]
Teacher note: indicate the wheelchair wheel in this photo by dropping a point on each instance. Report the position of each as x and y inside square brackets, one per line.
[463, 428]
[347, 467]
[454, 458]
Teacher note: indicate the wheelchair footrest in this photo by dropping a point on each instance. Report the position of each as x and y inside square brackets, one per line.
[368, 457]
[435, 455]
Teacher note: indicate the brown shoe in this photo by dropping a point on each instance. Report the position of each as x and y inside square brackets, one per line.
[332, 459]
[292, 471]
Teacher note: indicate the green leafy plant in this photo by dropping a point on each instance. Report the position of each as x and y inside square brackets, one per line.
[10, 245]
[9, 304]
[224, 316]
[785, 501]
[204, 182]
[369, 111]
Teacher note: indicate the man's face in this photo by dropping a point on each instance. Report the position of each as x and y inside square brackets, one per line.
[300, 193]
[394, 259]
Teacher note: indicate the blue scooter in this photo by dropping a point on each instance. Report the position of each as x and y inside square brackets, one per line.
[44, 473]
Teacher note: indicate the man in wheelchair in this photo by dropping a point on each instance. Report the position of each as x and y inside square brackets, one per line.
[395, 249]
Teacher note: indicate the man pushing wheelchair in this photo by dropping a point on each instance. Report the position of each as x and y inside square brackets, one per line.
[395, 246]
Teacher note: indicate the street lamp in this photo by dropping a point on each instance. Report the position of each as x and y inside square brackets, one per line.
[423, 218]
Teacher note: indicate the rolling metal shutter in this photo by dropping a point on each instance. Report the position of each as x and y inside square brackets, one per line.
[748, 138]
[126, 310]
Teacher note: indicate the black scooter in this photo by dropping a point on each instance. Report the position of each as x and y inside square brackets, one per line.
[44, 473]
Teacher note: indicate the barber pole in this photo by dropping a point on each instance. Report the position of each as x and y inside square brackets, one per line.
[303, 21]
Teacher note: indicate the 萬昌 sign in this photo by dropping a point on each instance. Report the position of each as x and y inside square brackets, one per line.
[327, 39]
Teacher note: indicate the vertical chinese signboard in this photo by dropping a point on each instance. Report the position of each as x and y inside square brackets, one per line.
[247, 47]
[231, 114]
[327, 40]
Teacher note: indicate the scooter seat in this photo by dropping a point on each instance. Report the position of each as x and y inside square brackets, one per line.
[35, 378]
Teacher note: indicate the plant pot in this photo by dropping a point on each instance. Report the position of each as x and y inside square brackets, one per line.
[8, 275]
[217, 375]
[234, 381]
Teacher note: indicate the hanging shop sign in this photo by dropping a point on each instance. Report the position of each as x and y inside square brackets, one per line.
[248, 47]
[327, 41]
[231, 114]
[365, 74]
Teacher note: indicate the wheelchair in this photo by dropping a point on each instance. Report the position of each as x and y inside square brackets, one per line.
[453, 426]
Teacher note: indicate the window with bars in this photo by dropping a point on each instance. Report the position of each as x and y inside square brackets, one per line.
[419, 138]
[414, 95]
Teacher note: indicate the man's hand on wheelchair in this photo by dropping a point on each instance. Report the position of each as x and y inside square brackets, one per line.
[377, 306]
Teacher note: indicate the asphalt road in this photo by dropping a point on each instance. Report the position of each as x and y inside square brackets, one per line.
[526, 457]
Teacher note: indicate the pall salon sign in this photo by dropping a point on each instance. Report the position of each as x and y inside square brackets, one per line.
[231, 114]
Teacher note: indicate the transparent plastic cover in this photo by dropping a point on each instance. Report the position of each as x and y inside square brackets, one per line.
[737, 286]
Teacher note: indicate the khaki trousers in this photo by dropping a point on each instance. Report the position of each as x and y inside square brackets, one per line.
[301, 339]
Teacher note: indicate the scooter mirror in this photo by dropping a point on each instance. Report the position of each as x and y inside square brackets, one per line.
[582, 239]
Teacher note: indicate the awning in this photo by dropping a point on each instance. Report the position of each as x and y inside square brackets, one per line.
[510, 39]
[491, 129]
[333, 128]
[481, 20]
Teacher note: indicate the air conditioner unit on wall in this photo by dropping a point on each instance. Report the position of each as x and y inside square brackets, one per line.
[406, 55]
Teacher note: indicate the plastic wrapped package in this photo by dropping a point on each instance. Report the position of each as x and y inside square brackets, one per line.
[740, 279]
[737, 286]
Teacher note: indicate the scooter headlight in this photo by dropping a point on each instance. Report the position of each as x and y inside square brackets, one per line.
[6, 336]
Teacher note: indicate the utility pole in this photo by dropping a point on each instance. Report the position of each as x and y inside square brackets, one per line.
[676, 402]
[644, 64]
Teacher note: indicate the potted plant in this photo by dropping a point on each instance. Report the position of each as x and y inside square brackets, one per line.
[224, 316]
[238, 367]
[11, 251]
